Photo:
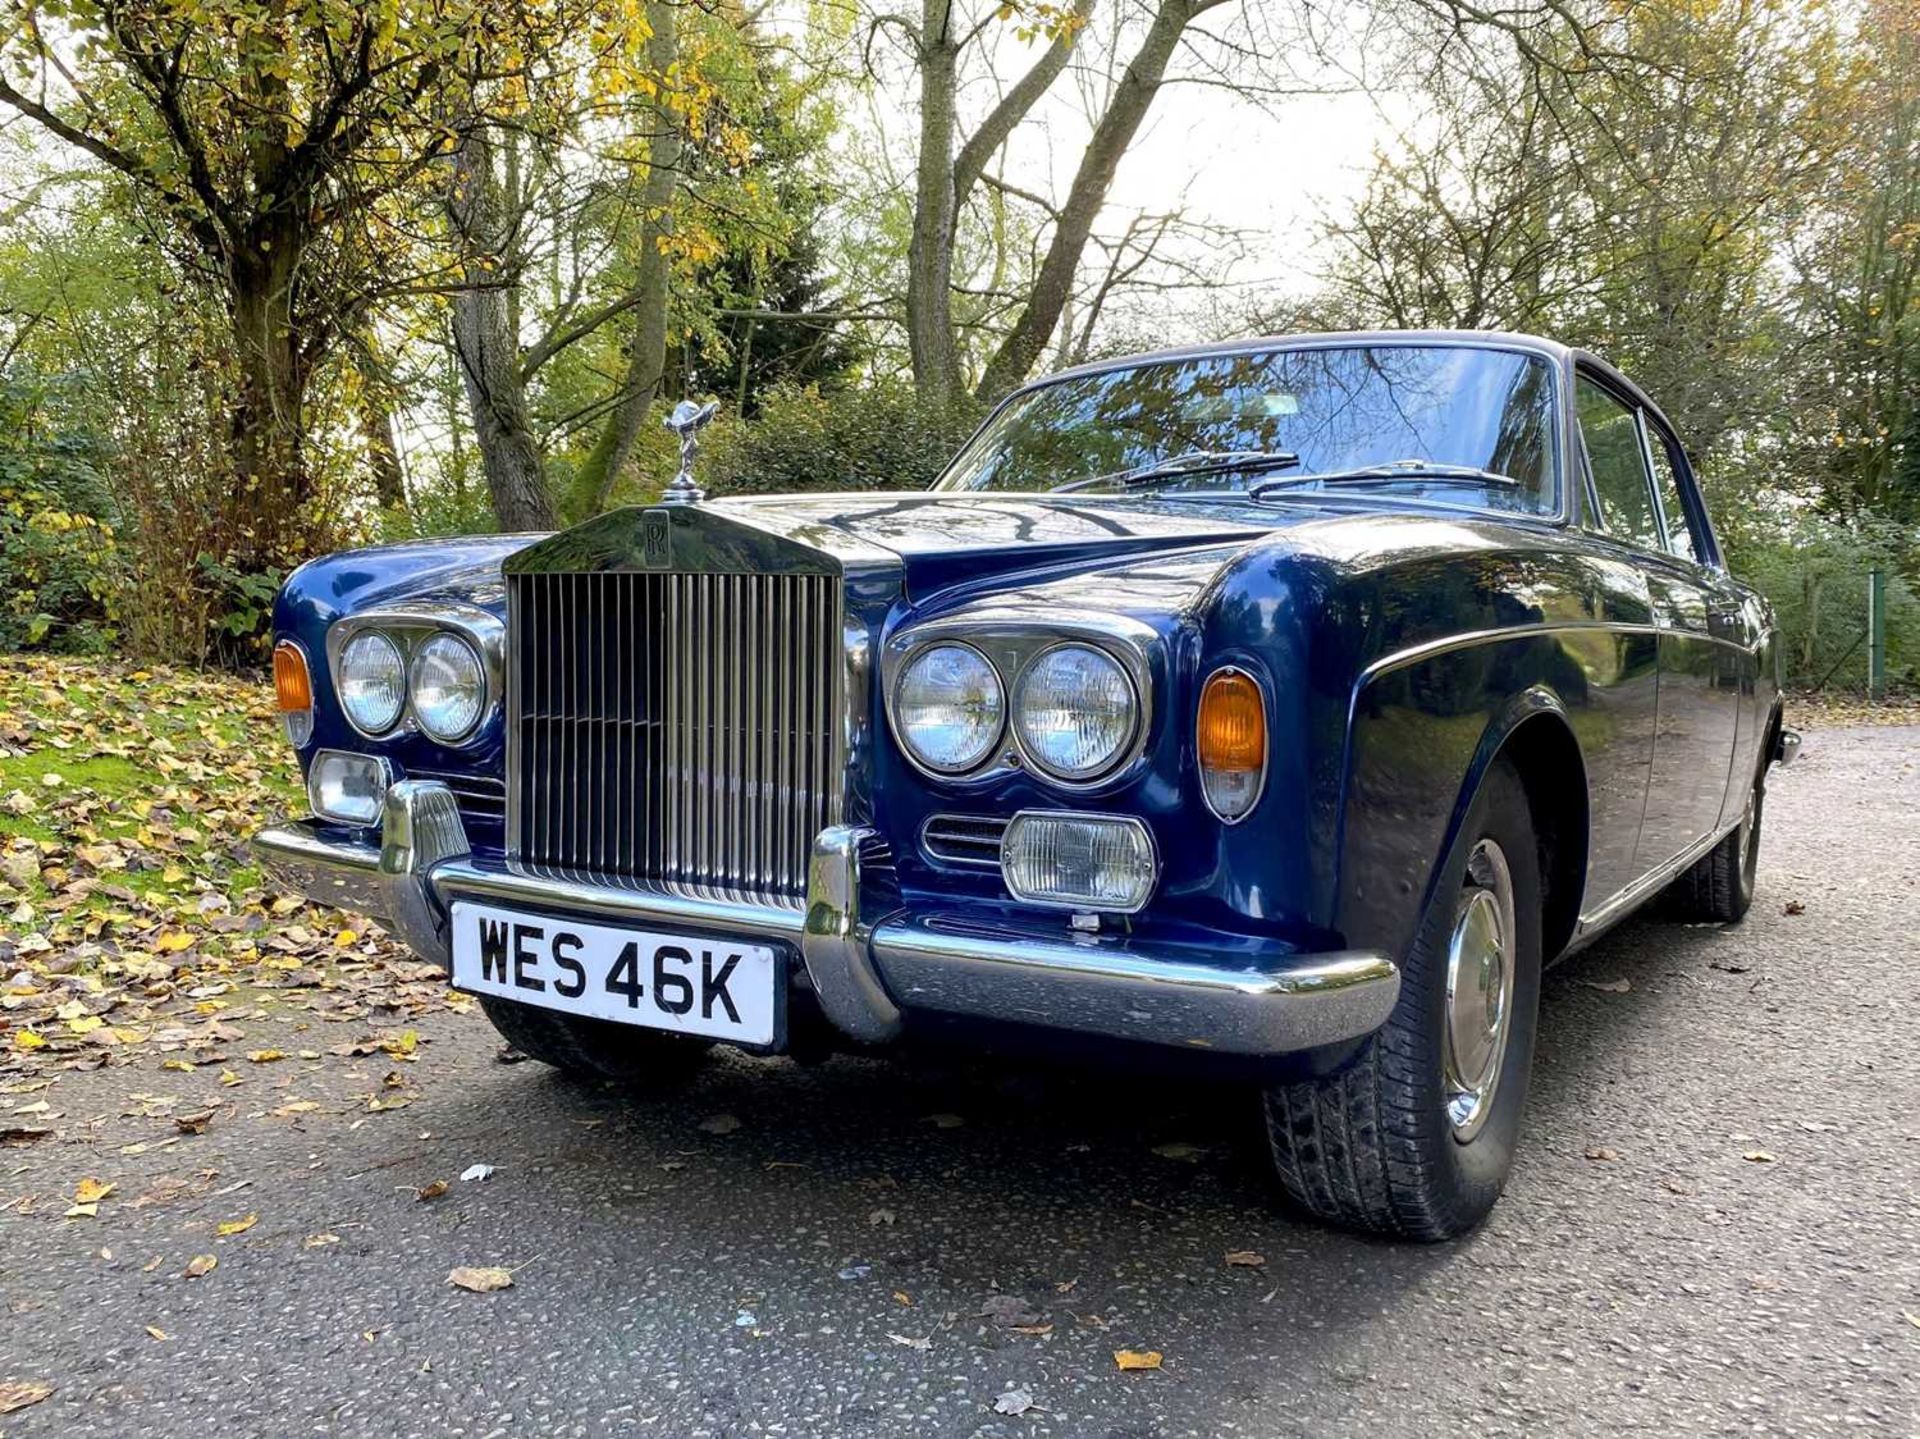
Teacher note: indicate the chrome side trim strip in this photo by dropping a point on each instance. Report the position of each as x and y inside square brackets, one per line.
[1110, 987]
[1616, 907]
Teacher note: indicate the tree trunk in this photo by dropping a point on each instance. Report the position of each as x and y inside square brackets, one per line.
[487, 347]
[647, 360]
[1111, 137]
[383, 450]
[271, 508]
[930, 345]
[377, 430]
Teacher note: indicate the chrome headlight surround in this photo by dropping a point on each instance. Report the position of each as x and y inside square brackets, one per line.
[994, 687]
[1011, 635]
[410, 626]
[1031, 742]
[371, 661]
[447, 686]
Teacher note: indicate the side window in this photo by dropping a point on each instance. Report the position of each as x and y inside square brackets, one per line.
[1620, 479]
[1679, 528]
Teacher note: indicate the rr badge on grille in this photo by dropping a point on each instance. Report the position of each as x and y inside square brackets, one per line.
[656, 540]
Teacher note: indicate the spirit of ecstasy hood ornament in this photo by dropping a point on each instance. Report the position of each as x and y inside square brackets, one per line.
[689, 417]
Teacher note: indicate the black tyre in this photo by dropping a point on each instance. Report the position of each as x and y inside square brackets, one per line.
[593, 1048]
[1719, 886]
[1415, 1138]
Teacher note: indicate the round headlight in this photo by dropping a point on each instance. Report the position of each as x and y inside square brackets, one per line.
[1075, 711]
[449, 687]
[949, 707]
[373, 682]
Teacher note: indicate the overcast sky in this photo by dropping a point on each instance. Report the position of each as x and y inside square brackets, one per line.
[1271, 171]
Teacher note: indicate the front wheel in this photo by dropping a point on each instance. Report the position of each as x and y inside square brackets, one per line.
[1415, 1138]
[595, 1048]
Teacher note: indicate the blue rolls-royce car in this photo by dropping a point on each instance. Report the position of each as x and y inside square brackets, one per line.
[1283, 705]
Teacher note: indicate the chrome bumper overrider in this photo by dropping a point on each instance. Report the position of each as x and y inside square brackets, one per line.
[866, 957]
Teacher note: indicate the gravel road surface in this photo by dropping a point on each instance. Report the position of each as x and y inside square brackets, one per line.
[1714, 1227]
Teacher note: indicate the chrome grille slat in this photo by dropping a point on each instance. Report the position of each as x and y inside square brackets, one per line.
[674, 727]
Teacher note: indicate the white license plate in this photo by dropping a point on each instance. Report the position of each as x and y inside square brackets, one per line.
[687, 983]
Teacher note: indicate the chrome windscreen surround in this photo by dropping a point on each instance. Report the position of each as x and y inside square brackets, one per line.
[1011, 638]
[408, 626]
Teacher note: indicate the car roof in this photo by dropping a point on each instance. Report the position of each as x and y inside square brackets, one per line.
[1488, 339]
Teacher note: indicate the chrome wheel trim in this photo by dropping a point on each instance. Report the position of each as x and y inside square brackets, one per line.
[1479, 1000]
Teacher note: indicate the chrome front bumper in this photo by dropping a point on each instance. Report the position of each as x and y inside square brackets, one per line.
[865, 956]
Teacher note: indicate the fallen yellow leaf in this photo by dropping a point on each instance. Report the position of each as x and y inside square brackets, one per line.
[173, 940]
[89, 1210]
[431, 1191]
[27, 1039]
[91, 1191]
[320, 1241]
[19, 1393]
[156, 1332]
[480, 1281]
[345, 938]
[264, 1056]
[237, 1226]
[1137, 1358]
[229, 1078]
[202, 1265]
[85, 1024]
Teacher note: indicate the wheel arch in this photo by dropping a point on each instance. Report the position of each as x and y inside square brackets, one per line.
[1532, 732]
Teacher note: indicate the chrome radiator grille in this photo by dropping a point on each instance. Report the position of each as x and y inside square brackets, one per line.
[674, 727]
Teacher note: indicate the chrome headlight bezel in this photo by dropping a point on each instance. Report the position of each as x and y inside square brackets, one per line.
[383, 646]
[408, 626]
[902, 730]
[429, 647]
[1011, 635]
[1030, 747]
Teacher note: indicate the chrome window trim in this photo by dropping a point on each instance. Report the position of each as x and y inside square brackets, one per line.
[1010, 640]
[407, 625]
[1266, 749]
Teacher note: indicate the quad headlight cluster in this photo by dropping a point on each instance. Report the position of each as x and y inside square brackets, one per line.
[439, 677]
[1074, 709]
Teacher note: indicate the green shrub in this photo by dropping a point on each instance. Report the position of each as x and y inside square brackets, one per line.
[874, 437]
[60, 568]
[1815, 573]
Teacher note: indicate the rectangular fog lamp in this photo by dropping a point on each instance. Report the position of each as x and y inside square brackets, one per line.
[1079, 861]
[347, 787]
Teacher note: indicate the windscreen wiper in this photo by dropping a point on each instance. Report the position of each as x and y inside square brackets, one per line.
[1191, 462]
[1426, 470]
